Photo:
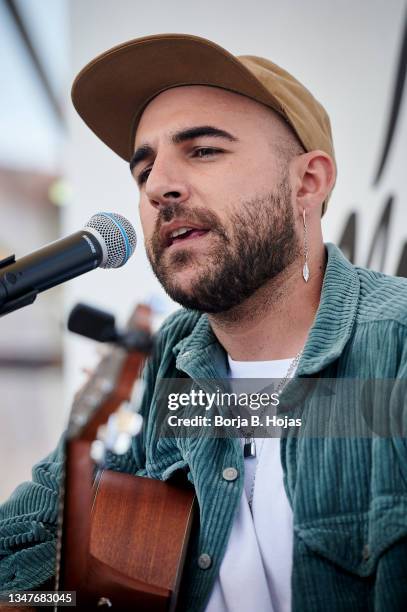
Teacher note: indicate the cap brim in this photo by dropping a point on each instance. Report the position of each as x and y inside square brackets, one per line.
[111, 92]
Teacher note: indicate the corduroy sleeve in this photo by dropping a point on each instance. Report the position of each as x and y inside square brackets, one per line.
[28, 523]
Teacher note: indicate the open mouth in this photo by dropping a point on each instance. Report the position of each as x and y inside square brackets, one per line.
[184, 234]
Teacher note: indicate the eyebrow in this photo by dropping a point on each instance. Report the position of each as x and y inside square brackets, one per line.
[145, 151]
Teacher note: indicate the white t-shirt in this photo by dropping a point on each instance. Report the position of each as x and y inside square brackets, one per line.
[255, 573]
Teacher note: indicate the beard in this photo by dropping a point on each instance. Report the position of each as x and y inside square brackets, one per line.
[258, 245]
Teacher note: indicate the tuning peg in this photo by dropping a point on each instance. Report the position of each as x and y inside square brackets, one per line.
[116, 435]
[98, 451]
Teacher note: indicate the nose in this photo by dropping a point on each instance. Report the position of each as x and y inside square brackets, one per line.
[165, 183]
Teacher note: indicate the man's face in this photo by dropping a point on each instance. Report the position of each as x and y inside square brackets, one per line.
[215, 200]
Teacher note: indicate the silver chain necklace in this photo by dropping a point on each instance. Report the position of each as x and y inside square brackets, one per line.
[250, 500]
[249, 448]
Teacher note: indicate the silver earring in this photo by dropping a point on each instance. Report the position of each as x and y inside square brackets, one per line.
[305, 269]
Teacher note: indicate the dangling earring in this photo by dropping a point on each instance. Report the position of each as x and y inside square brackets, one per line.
[305, 270]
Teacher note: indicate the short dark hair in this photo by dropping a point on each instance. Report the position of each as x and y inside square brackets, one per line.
[288, 145]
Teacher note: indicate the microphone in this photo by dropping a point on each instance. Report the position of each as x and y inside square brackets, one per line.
[100, 325]
[108, 240]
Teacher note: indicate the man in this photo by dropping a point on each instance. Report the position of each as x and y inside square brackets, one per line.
[235, 165]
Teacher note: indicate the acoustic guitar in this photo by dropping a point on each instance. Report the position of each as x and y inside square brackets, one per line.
[122, 539]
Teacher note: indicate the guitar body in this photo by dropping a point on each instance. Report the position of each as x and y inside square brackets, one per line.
[122, 539]
[139, 535]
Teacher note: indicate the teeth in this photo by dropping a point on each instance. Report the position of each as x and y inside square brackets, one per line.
[180, 231]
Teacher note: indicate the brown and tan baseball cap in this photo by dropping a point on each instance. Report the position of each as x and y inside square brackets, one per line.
[111, 92]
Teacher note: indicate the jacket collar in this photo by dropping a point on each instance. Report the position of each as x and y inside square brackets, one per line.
[201, 356]
[335, 316]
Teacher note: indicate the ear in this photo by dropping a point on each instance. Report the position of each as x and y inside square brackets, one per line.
[315, 176]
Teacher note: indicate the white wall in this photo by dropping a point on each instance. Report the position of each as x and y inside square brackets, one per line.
[345, 52]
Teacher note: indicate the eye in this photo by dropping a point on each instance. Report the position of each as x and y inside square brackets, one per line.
[143, 176]
[206, 152]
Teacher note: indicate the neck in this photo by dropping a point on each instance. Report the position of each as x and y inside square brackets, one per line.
[275, 321]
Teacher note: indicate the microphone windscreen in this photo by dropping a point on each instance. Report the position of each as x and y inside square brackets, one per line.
[118, 235]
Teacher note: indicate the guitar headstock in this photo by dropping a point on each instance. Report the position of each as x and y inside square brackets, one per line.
[104, 411]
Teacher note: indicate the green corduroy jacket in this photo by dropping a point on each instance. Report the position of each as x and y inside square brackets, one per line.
[348, 495]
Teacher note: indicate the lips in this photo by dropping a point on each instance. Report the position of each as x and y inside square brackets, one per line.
[180, 231]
